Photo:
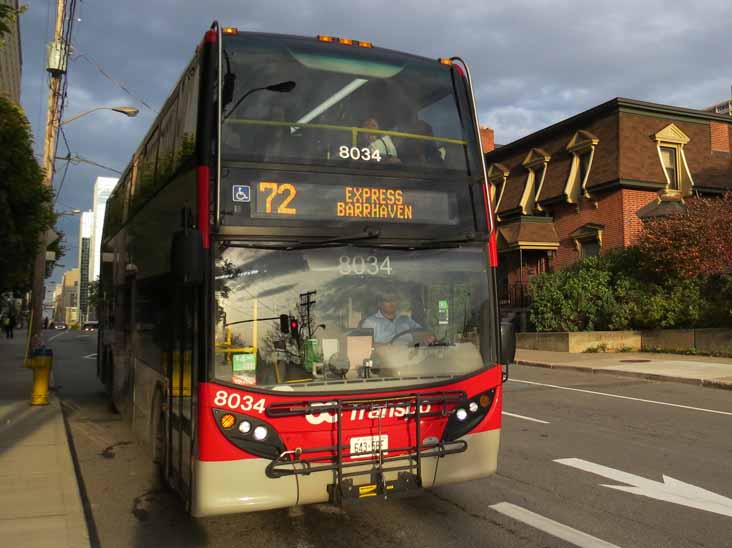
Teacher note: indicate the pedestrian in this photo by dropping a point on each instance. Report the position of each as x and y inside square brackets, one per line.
[8, 324]
[11, 325]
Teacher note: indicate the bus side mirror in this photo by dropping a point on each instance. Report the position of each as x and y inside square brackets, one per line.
[508, 342]
[187, 261]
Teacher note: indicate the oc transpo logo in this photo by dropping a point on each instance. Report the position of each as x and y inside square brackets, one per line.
[324, 416]
[362, 414]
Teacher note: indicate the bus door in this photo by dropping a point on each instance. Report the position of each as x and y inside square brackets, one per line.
[180, 402]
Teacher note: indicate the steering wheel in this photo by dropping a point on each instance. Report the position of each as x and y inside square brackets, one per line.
[427, 333]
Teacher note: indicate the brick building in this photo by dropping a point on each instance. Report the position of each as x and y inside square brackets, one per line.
[582, 186]
[11, 58]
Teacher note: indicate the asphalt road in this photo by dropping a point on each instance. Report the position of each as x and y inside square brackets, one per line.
[578, 467]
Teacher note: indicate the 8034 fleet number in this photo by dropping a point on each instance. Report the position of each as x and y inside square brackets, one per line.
[238, 402]
[356, 153]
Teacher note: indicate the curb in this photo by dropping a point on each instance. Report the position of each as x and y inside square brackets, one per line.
[708, 383]
[92, 534]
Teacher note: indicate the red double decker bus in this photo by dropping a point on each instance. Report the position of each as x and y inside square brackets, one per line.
[298, 293]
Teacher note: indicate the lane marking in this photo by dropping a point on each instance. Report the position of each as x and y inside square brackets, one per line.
[551, 527]
[667, 490]
[57, 336]
[91, 356]
[525, 418]
[728, 413]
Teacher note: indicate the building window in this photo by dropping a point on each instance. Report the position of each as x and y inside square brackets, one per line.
[588, 240]
[583, 164]
[668, 159]
[670, 142]
[589, 248]
[582, 148]
[497, 176]
[536, 163]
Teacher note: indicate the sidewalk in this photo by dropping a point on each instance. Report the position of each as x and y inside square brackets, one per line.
[703, 370]
[40, 505]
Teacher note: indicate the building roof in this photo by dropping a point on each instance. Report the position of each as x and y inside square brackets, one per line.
[528, 232]
[618, 103]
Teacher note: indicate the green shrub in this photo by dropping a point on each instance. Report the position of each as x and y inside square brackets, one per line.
[617, 292]
[579, 298]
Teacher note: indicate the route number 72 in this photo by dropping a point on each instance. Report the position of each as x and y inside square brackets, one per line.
[287, 191]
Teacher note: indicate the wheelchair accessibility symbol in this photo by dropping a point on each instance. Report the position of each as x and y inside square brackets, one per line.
[241, 193]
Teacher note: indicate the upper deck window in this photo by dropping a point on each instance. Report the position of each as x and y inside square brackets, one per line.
[292, 100]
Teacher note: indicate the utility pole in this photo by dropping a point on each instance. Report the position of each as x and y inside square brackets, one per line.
[57, 60]
[306, 303]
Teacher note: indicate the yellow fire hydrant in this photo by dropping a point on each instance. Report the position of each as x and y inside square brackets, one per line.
[41, 362]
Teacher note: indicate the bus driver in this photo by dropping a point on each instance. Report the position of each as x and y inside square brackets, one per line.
[387, 324]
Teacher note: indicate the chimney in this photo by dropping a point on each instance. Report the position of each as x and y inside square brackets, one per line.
[487, 137]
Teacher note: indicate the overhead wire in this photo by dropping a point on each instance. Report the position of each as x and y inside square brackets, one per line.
[109, 77]
[66, 167]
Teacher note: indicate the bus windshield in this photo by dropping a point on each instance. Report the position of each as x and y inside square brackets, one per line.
[294, 100]
[348, 318]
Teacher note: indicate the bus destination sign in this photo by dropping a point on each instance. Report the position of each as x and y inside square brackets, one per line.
[345, 202]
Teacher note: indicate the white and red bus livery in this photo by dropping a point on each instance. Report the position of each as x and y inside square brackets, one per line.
[298, 289]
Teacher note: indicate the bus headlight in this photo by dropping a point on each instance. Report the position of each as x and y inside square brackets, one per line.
[250, 434]
[260, 433]
[466, 417]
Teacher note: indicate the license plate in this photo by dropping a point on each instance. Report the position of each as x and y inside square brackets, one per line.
[368, 446]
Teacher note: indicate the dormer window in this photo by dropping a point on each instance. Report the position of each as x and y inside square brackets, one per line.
[670, 142]
[582, 148]
[536, 164]
[670, 163]
[497, 176]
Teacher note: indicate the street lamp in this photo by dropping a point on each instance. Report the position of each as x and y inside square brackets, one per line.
[49, 148]
[127, 111]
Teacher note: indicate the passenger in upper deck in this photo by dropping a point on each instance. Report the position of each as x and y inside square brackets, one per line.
[419, 151]
[381, 143]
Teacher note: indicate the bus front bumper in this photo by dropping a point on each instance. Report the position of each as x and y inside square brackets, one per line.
[230, 487]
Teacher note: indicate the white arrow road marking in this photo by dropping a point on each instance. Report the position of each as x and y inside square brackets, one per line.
[669, 490]
[622, 397]
[525, 418]
[554, 528]
[91, 356]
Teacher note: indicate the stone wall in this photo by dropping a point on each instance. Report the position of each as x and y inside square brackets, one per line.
[708, 341]
[580, 341]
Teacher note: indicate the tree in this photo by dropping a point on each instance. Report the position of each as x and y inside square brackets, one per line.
[8, 15]
[695, 243]
[92, 298]
[25, 202]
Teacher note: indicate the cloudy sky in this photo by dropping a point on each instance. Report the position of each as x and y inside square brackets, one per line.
[534, 62]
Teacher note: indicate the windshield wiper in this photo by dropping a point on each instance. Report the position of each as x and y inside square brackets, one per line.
[438, 244]
[367, 235]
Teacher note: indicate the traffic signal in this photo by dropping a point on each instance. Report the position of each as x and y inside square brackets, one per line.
[284, 323]
[294, 328]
